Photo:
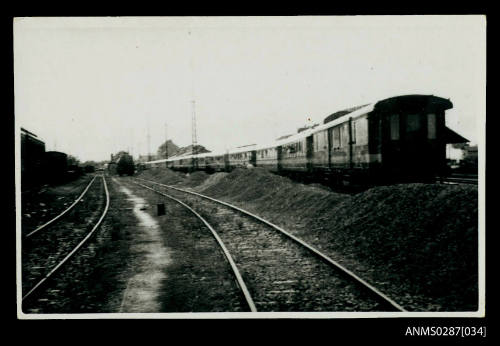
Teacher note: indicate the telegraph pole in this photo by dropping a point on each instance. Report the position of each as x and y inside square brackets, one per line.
[149, 145]
[131, 143]
[194, 140]
[166, 145]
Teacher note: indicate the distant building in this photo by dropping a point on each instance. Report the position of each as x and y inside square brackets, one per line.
[463, 157]
[453, 153]
[186, 151]
[166, 149]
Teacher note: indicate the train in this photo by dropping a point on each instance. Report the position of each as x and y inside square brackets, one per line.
[402, 138]
[32, 160]
[40, 167]
[121, 164]
[125, 165]
[56, 166]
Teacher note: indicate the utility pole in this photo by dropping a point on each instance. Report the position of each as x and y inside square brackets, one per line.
[131, 143]
[194, 140]
[166, 145]
[149, 145]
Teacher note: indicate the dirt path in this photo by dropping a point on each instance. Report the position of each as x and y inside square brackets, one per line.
[150, 257]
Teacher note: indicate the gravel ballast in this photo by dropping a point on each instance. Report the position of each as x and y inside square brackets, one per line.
[416, 242]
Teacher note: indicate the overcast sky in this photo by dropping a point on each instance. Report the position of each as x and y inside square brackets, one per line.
[92, 86]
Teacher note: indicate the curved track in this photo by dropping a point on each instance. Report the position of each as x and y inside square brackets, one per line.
[56, 268]
[64, 212]
[367, 287]
[239, 279]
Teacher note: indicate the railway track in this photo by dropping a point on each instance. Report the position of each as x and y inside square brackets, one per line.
[43, 256]
[78, 199]
[245, 294]
[278, 271]
[459, 179]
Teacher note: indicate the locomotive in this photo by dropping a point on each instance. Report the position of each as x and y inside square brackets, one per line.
[125, 165]
[401, 138]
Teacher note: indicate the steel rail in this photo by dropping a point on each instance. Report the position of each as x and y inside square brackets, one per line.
[68, 256]
[464, 175]
[299, 241]
[64, 212]
[228, 256]
[470, 181]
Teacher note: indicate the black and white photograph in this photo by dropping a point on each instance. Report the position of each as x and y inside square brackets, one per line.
[250, 167]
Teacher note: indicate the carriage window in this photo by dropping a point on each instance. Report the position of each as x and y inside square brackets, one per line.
[394, 126]
[362, 131]
[343, 135]
[431, 126]
[412, 122]
[336, 137]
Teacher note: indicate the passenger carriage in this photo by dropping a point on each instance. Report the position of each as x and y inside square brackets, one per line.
[292, 153]
[266, 156]
[241, 157]
[400, 137]
[392, 139]
[215, 162]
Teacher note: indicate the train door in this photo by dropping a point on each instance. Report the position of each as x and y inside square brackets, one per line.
[392, 148]
[414, 144]
[253, 158]
[226, 163]
[405, 146]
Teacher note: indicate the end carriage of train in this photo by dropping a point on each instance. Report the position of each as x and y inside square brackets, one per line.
[402, 138]
[32, 160]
